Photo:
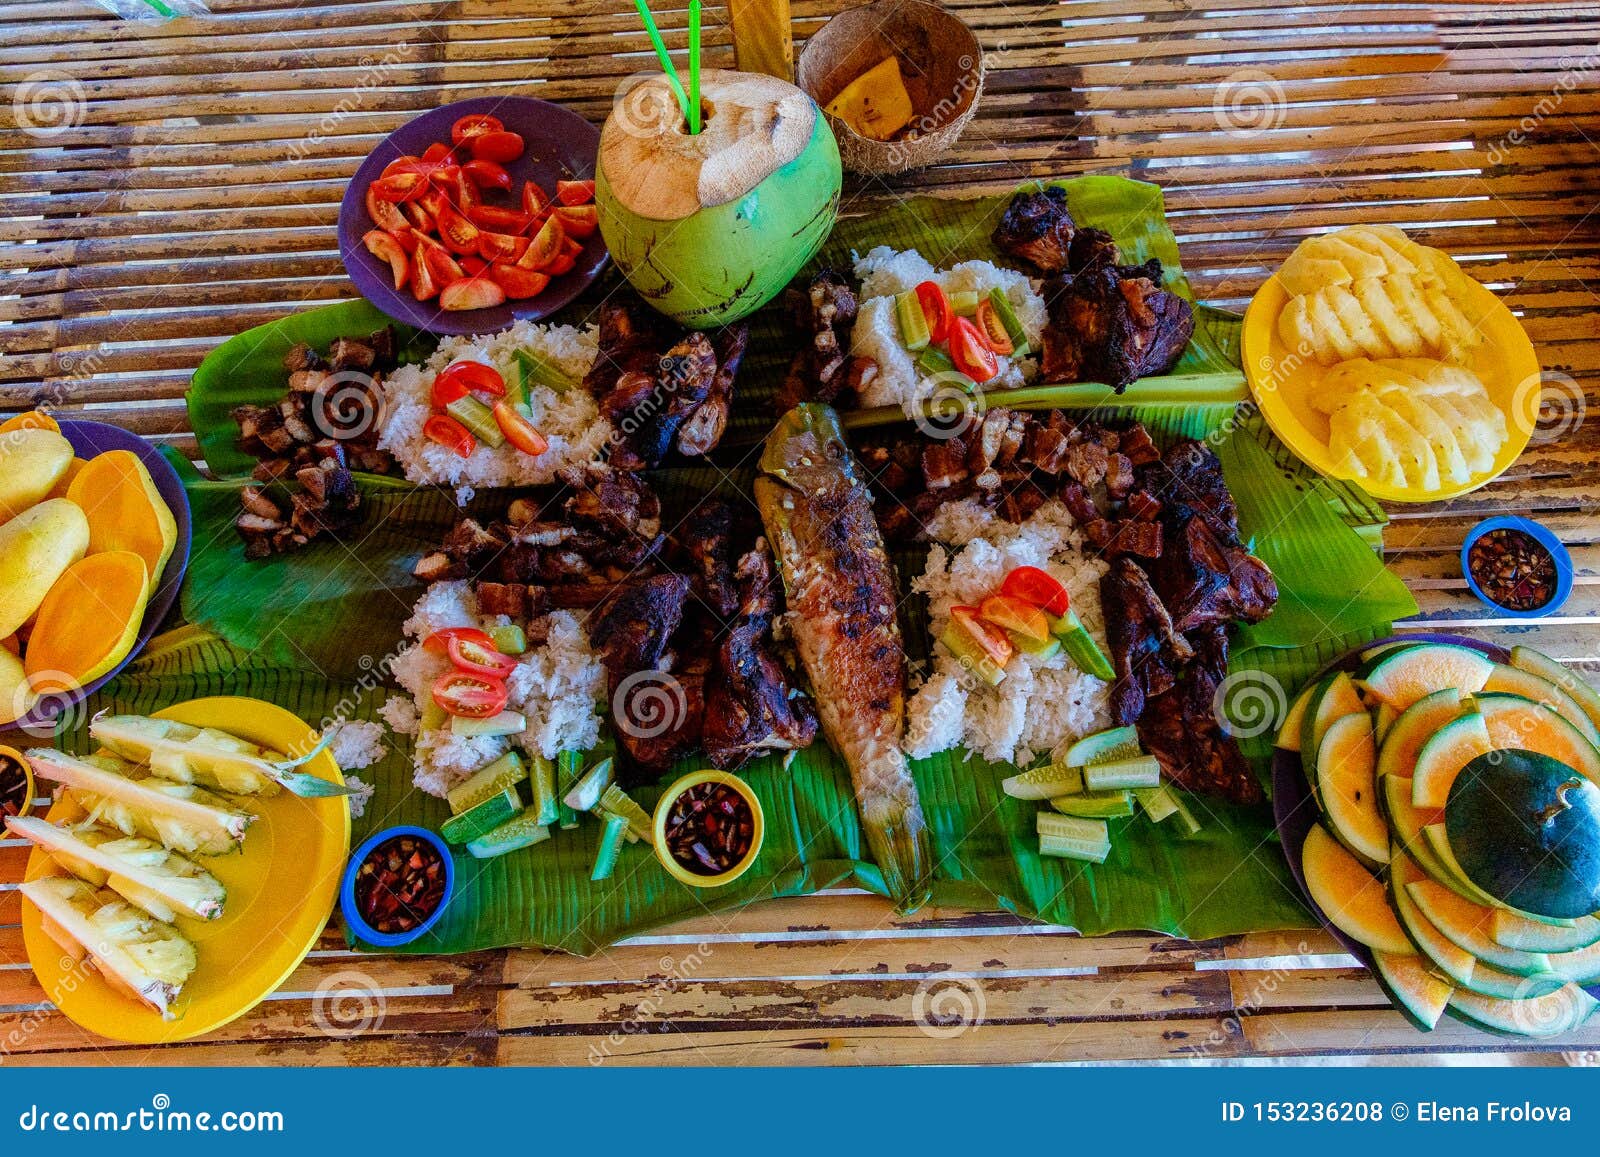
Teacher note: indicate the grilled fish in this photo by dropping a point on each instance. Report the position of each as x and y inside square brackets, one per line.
[841, 594]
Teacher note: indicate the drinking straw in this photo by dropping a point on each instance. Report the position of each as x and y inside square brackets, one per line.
[694, 66]
[662, 56]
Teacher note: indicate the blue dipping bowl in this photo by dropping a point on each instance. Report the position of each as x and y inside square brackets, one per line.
[1544, 538]
[347, 891]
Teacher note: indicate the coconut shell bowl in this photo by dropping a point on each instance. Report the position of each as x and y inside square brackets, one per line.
[941, 64]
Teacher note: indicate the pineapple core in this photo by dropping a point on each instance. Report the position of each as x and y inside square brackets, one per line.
[875, 104]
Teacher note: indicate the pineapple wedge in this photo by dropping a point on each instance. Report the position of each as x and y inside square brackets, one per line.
[141, 957]
[184, 754]
[180, 816]
[143, 872]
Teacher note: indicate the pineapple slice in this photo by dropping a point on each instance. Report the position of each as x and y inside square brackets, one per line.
[186, 754]
[160, 881]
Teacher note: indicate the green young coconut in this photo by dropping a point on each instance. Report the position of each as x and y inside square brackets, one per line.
[709, 228]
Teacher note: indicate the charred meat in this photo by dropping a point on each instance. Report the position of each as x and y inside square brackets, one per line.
[1037, 229]
[1113, 324]
[657, 715]
[325, 501]
[822, 312]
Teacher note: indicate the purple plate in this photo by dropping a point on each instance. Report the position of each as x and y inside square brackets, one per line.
[89, 439]
[1294, 809]
[560, 145]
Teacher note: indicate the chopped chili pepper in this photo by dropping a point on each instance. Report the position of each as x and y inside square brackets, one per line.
[400, 884]
[710, 828]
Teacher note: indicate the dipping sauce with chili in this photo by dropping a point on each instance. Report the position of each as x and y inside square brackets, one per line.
[14, 785]
[709, 828]
[1513, 569]
[400, 884]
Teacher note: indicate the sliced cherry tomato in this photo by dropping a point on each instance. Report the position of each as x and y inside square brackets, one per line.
[970, 352]
[407, 238]
[437, 641]
[534, 199]
[450, 434]
[936, 308]
[424, 286]
[992, 328]
[472, 265]
[443, 268]
[459, 234]
[520, 432]
[385, 215]
[467, 377]
[574, 192]
[479, 659]
[424, 168]
[578, 220]
[560, 265]
[1038, 588]
[518, 283]
[431, 199]
[545, 246]
[466, 193]
[487, 175]
[472, 125]
[571, 248]
[473, 292]
[470, 696]
[438, 151]
[419, 217]
[444, 176]
[498, 145]
[385, 247]
[494, 247]
[498, 220]
[399, 187]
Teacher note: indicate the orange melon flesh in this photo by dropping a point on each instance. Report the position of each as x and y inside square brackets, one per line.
[1511, 681]
[1516, 723]
[1418, 990]
[1441, 759]
[1416, 725]
[1468, 926]
[90, 619]
[1450, 958]
[1352, 898]
[1542, 1016]
[125, 510]
[1347, 787]
[1409, 674]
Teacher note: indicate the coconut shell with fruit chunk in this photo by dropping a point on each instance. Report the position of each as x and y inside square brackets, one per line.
[941, 65]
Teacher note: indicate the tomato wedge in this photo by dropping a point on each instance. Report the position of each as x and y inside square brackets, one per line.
[520, 432]
[496, 145]
[992, 328]
[545, 246]
[399, 187]
[386, 215]
[534, 199]
[936, 308]
[577, 220]
[467, 377]
[449, 433]
[487, 175]
[437, 641]
[1038, 588]
[970, 352]
[438, 152]
[470, 696]
[498, 220]
[479, 659]
[474, 124]
[574, 192]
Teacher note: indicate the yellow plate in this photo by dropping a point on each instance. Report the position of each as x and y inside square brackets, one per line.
[281, 890]
[1281, 382]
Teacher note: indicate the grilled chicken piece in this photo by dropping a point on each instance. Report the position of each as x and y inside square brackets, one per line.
[1146, 651]
[631, 339]
[822, 313]
[751, 707]
[1091, 247]
[1180, 728]
[1037, 229]
[842, 597]
[657, 715]
[1113, 324]
[707, 541]
[703, 428]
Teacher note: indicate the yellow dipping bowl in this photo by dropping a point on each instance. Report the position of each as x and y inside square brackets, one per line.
[30, 789]
[1282, 382]
[659, 835]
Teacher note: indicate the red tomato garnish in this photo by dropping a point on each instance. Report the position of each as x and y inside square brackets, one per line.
[534, 199]
[498, 220]
[419, 217]
[992, 328]
[560, 265]
[520, 432]
[472, 265]
[437, 152]
[470, 696]
[443, 268]
[437, 641]
[545, 246]
[472, 125]
[385, 247]
[386, 215]
[487, 175]
[494, 247]
[574, 192]
[467, 377]
[518, 283]
[936, 308]
[578, 220]
[399, 187]
[970, 352]
[479, 659]
[456, 231]
[473, 292]
[1038, 588]
[450, 434]
[496, 146]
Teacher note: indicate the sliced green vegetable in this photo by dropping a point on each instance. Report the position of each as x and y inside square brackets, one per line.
[533, 370]
[1081, 648]
[1104, 746]
[509, 639]
[1045, 782]
[1073, 837]
[521, 832]
[432, 717]
[478, 419]
[1140, 771]
[914, 333]
[615, 801]
[503, 723]
[483, 818]
[546, 805]
[605, 858]
[964, 302]
[486, 783]
[1095, 804]
[585, 794]
[1159, 803]
[1008, 318]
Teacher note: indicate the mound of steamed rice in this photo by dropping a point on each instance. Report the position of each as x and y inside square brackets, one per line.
[1040, 706]
[885, 272]
[555, 686]
[569, 420]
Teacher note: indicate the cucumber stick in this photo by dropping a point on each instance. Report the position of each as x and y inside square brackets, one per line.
[1104, 746]
[1095, 804]
[611, 841]
[1073, 837]
[616, 802]
[522, 832]
[1140, 771]
[483, 818]
[546, 804]
[486, 783]
[585, 794]
[1045, 782]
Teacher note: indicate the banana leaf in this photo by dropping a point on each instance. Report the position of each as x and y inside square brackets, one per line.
[311, 630]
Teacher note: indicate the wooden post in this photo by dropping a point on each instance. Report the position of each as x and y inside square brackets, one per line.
[762, 40]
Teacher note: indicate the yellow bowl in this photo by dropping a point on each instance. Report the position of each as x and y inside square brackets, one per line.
[30, 788]
[1282, 381]
[281, 890]
[664, 854]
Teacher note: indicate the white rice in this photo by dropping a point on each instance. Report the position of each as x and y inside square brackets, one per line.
[555, 686]
[362, 797]
[356, 743]
[1040, 706]
[885, 272]
[570, 421]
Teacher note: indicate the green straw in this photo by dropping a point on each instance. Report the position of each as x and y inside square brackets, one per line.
[694, 66]
[662, 56]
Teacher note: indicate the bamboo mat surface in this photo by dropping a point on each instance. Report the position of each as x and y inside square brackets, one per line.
[167, 185]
